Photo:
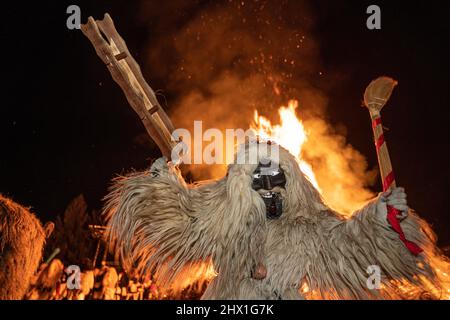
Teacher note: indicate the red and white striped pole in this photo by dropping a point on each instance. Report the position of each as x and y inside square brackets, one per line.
[375, 97]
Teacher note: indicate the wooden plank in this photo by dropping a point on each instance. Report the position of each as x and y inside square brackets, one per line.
[113, 51]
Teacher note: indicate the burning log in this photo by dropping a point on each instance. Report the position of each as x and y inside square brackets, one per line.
[109, 283]
[87, 284]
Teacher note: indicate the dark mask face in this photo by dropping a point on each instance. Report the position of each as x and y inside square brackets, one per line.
[265, 179]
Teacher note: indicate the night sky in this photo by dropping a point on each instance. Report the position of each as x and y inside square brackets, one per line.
[66, 127]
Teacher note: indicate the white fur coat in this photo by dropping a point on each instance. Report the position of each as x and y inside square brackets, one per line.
[158, 223]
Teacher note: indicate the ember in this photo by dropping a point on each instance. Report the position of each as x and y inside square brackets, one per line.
[166, 234]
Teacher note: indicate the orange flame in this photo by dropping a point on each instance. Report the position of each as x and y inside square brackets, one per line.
[290, 134]
[340, 174]
[341, 185]
[338, 184]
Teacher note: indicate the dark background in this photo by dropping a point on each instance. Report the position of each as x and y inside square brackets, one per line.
[66, 127]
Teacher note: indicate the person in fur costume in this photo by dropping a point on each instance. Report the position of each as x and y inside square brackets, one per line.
[22, 239]
[277, 223]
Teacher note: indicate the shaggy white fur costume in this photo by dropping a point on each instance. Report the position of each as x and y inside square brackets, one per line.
[22, 240]
[158, 223]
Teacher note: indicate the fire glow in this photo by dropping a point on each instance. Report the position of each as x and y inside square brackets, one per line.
[334, 167]
[290, 134]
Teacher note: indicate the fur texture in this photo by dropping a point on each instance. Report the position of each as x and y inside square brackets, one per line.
[159, 224]
[22, 239]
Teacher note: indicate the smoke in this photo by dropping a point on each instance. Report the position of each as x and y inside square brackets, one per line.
[340, 170]
[221, 60]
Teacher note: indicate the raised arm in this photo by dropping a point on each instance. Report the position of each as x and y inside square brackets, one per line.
[152, 224]
[367, 239]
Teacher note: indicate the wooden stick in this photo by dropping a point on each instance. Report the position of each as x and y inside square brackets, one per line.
[377, 94]
[375, 97]
[113, 51]
[384, 161]
[53, 255]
